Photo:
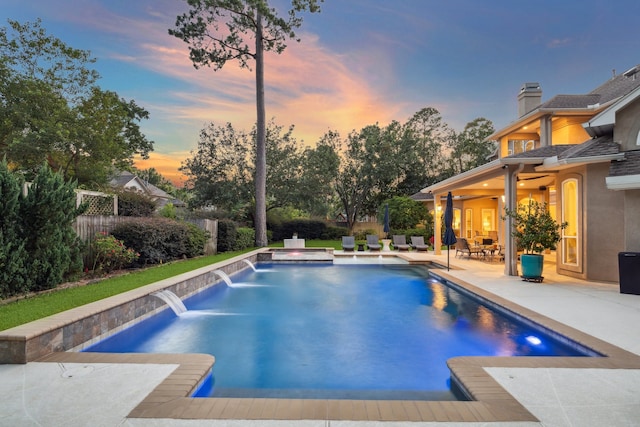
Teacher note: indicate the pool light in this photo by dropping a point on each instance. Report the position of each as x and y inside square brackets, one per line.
[533, 340]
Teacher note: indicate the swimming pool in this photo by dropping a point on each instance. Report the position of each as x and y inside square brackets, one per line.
[327, 331]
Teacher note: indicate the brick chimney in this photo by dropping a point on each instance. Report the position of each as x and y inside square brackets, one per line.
[529, 98]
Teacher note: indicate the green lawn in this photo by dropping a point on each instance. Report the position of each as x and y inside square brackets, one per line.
[36, 307]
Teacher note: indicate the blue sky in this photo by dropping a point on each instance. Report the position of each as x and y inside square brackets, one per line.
[359, 62]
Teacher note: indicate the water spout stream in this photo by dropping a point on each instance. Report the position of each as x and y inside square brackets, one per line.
[172, 300]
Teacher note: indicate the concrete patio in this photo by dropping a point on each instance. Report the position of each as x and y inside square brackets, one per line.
[103, 394]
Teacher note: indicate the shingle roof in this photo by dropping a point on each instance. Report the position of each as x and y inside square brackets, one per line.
[571, 101]
[601, 146]
[121, 179]
[629, 166]
[420, 196]
[613, 88]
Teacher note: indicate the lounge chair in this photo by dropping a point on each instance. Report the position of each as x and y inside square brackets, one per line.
[417, 243]
[463, 247]
[348, 243]
[400, 242]
[373, 243]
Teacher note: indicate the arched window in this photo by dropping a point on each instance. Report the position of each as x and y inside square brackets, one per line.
[570, 211]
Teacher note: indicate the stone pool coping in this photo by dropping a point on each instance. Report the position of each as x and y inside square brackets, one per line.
[492, 403]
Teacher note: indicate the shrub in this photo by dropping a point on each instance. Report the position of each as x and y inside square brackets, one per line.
[134, 203]
[46, 214]
[334, 233]
[227, 235]
[245, 238]
[111, 254]
[362, 234]
[12, 252]
[168, 211]
[197, 238]
[157, 240]
[305, 228]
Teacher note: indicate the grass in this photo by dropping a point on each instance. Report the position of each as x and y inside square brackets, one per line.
[45, 304]
[42, 305]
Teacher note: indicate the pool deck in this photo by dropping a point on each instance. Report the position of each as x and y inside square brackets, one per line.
[78, 389]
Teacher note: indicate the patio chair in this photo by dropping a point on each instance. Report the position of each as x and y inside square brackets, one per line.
[400, 242]
[463, 247]
[348, 243]
[373, 243]
[417, 243]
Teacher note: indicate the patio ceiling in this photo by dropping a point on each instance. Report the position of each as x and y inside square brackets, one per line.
[494, 186]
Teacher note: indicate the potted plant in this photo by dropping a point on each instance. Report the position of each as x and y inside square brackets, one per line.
[535, 231]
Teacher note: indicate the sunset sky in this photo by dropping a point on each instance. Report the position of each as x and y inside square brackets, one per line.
[359, 62]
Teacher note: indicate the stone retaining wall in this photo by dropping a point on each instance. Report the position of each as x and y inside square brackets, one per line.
[75, 329]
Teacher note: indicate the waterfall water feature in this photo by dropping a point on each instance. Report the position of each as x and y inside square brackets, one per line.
[172, 300]
[250, 264]
[224, 277]
[230, 284]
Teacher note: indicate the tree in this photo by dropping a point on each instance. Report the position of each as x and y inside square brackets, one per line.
[13, 257]
[153, 177]
[320, 166]
[425, 137]
[469, 148]
[46, 217]
[219, 171]
[212, 46]
[405, 213]
[355, 180]
[52, 111]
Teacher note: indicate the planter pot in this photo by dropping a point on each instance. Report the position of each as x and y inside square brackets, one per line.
[531, 266]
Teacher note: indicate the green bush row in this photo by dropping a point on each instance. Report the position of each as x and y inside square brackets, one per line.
[158, 240]
[305, 229]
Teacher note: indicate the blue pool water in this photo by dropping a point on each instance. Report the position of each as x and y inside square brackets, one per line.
[327, 331]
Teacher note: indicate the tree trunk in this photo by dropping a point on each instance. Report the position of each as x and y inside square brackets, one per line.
[260, 220]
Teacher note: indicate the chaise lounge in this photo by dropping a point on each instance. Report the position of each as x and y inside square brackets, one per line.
[400, 242]
[348, 243]
[417, 243]
[373, 243]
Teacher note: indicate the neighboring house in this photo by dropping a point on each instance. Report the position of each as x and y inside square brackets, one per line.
[578, 153]
[130, 181]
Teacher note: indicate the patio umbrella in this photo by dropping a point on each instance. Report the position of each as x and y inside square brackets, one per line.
[449, 236]
[386, 220]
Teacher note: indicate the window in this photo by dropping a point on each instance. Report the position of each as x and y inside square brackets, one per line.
[468, 223]
[570, 248]
[488, 221]
[517, 146]
[456, 221]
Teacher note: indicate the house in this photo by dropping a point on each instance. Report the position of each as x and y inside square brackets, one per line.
[578, 153]
[130, 181]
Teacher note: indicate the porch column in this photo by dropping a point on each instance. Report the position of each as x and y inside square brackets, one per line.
[437, 224]
[511, 203]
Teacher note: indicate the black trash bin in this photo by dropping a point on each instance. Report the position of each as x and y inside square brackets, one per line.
[629, 268]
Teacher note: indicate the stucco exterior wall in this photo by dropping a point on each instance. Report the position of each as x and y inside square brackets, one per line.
[628, 126]
[632, 221]
[604, 223]
[602, 233]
